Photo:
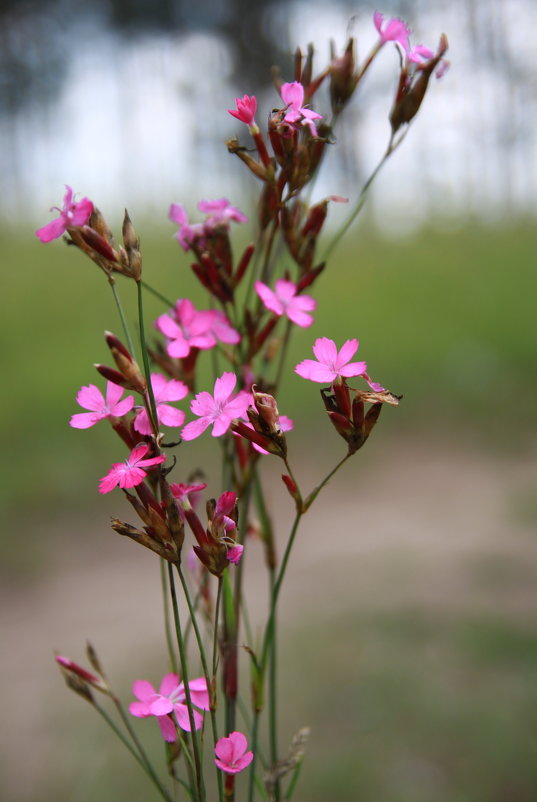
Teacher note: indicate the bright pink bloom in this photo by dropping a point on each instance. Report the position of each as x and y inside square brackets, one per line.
[419, 54]
[164, 391]
[186, 493]
[394, 30]
[231, 754]
[170, 701]
[246, 109]
[219, 410]
[91, 398]
[72, 214]
[220, 212]
[293, 97]
[187, 329]
[129, 473]
[331, 363]
[187, 232]
[285, 301]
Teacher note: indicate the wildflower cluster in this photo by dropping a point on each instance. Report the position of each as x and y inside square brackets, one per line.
[246, 326]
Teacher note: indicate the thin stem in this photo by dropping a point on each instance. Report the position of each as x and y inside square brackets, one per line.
[314, 493]
[152, 411]
[208, 678]
[157, 294]
[251, 779]
[141, 759]
[215, 632]
[184, 671]
[167, 622]
[283, 354]
[273, 698]
[112, 283]
[361, 199]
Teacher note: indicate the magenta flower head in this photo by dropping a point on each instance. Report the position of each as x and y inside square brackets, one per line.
[246, 109]
[392, 30]
[164, 390]
[169, 704]
[220, 212]
[293, 97]
[129, 473]
[72, 214]
[231, 755]
[218, 410]
[91, 398]
[285, 301]
[187, 233]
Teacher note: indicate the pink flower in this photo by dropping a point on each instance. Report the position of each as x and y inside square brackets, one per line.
[164, 391]
[187, 233]
[419, 53]
[285, 301]
[231, 754]
[394, 30]
[129, 473]
[218, 410]
[189, 328]
[183, 494]
[72, 214]
[170, 701]
[293, 97]
[221, 328]
[234, 554]
[331, 363]
[220, 212]
[91, 398]
[246, 109]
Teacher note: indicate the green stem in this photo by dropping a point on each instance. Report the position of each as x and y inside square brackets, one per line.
[142, 761]
[283, 355]
[273, 699]
[314, 493]
[361, 200]
[206, 674]
[157, 294]
[251, 779]
[112, 283]
[184, 671]
[152, 411]
[167, 622]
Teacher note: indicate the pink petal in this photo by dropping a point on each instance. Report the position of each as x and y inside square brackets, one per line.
[169, 684]
[199, 693]
[195, 428]
[52, 230]
[224, 386]
[139, 709]
[269, 298]
[301, 319]
[83, 420]
[170, 416]
[314, 371]
[131, 477]
[221, 425]
[147, 463]
[177, 213]
[348, 349]
[243, 762]
[168, 326]
[239, 743]
[143, 690]
[91, 398]
[202, 404]
[141, 423]
[138, 453]
[172, 390]
[81, 212]
[325, 350]
[292, 94]
[167, 728]
[122, 407]
[234, 554]
[179, 348]
[110, 481]
[181, 711]
[353, 369]
[160, 706]
[224, 750]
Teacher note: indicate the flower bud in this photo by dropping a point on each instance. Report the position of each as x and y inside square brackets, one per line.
[126, 364]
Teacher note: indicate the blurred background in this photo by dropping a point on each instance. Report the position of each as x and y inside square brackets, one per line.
[409, 622]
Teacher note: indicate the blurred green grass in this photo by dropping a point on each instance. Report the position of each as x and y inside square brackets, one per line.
[446, 318]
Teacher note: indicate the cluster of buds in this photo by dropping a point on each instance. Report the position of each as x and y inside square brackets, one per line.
[210, 243]
[265, 430]
[350, 419]
[417, 66]
[216, 546]
[164, 531]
